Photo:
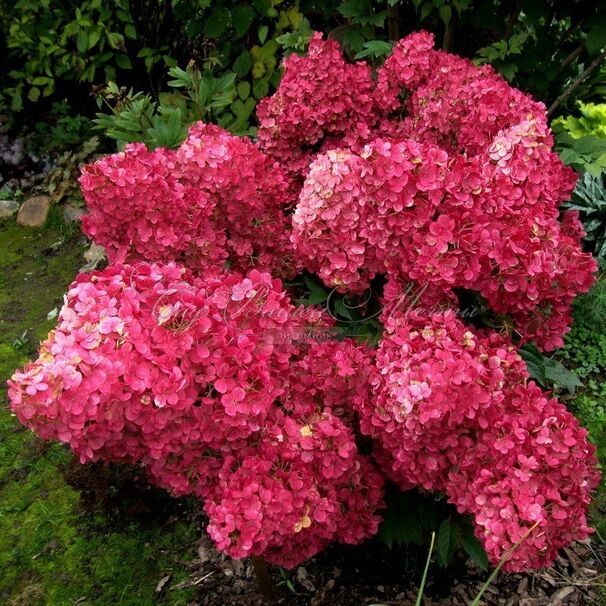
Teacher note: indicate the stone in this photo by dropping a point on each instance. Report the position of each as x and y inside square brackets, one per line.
[72, 214]
[8, 208]
[94, 255]
[34, 211]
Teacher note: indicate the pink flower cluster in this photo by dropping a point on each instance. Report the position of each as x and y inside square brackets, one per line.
[188, 357]
[215, 200]
[455, 412]
[197, 380]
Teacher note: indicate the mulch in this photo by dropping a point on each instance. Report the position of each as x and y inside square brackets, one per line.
[372, 575]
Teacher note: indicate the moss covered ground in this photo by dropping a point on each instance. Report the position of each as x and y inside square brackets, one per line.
[52, 551]
[585, 353]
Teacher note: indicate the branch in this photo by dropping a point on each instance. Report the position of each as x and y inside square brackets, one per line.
[569, 31]
[392, 22]
[572, 56]
[447, 42]
[577, 81]
[513, 19]
[264, 581]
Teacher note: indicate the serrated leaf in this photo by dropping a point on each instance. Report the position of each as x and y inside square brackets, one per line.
[353, 39]
[374, 48]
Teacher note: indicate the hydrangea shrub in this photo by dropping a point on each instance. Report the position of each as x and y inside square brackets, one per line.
[189, 356]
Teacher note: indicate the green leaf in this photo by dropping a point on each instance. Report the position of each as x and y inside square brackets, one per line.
[242, 18]
[374, 48]
[17, 103]
[243, 64]
[217, 23]
[262, 6]
[353, 39]
[546, 370]
[82, 41]
[262, 34]
[130, 32]
[41, 80]
[258, 70]
[403, 521]
[535, 363]
[360, 12]
[473, 548]
[445, 14]
[243, 90]
[447, 541]
[589, 145]
[123, 61]
[115, 40]
[318, 294]
[260, 89]
[94, 36]
[33, 94]
[242, 111]
[425, 10]
[342, 309]
[561, 376]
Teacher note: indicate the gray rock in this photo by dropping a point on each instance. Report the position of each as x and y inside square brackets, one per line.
[72, 214]
[33, 212]
[94, 255]
[8, 208]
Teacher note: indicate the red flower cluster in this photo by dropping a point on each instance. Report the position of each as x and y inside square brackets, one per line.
[214, 200]
[184, 357]
[201, 381]
[454, 411]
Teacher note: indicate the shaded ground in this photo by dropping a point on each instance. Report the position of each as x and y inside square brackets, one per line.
[371, 575]
[97, 535]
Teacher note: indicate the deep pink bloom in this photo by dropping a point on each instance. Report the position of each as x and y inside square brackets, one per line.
[188, 357]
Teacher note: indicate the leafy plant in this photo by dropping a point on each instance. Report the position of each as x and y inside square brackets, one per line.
[73, 41]
[501, 54]
[137, 117]
[61, 129]
[411, 517]
[591, 122]
[589, 198]
[586, 154]
[548, 372]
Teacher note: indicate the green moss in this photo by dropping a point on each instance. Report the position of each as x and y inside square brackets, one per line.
[51, 552]
[585, 353]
